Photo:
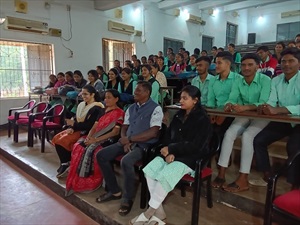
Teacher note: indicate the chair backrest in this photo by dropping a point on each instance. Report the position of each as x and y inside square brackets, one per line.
[29, 105]
[57, 112]
[38, 108]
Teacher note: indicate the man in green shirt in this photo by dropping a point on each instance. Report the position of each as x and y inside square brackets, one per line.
[284, 99]
[202, 80]
[253, 90]
[236, 66]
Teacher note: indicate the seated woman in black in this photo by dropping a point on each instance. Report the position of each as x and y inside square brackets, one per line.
[185, 142]
[126, 87]
[114, 78]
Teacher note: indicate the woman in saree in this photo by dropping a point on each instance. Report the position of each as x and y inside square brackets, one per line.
[84, 174]
[87, 113]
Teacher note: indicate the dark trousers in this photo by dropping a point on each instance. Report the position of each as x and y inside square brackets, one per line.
[63, 154]
[108, 154]
[275, 131]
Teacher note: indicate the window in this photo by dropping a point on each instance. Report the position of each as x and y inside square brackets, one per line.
[112, 50]
[287, 31]
[231, 33]
[172, 43]
[24, 66]
[207, 43]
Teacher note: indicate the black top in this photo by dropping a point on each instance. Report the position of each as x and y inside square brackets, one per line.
[81, 84]
[188, 139]
[110, 86]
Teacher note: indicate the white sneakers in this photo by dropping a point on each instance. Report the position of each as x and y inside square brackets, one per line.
[258, 182]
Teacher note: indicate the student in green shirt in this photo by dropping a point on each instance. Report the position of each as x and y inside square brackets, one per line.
[236, 66]
[253, 89]
[146, 73]
[202, 80]
[284, 99]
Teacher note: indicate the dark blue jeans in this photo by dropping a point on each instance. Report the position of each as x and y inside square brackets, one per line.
[108, 154]
[275, 131]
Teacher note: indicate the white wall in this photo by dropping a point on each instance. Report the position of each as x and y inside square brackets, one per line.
[266, 28]
[89, 26]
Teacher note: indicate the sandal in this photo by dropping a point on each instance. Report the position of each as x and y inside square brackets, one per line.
[139, 220]
[125, 208]
[218, 182]
[155, 221]
[234, 188]
[107, 197]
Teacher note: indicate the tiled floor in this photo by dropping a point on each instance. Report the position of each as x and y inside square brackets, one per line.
[24, 201]
[177, 208]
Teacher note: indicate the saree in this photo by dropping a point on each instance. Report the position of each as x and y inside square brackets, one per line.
[67, 140]
[91, 179]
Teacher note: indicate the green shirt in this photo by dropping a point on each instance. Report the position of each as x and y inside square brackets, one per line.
[219, 90]
[203, 87]
[256, 93]
[286, 93]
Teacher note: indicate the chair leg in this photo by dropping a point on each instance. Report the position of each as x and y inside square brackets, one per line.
[9, 129]
[183, 190]
[196, 201]
[30, 137]
[16, 132]
[144, 191]
[43, 140]
[209, 193]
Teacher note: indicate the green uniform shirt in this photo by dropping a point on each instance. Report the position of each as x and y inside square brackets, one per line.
[256, 93]
[286, 93]
[219, 90]
[203, 87]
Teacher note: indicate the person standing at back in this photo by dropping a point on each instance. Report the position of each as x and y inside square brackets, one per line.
[236, 66]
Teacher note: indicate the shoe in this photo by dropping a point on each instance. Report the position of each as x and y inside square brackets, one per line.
[59, 168]
[64, 169]
[107, 197]
[258, 182]
[125, 208]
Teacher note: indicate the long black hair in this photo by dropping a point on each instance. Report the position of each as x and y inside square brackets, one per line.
[90, 89]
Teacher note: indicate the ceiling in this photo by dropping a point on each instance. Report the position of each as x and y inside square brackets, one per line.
[228, 5]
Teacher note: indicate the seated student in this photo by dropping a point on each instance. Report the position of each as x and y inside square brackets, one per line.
[204, 53]
[161, 78]
[126, 87]
[87, 113]
[291, 44]
[155, 57]
[185, 142]
[143, 60]
[140, 129]
[202, 80]
[197, 52]
[280, 46]
[186, 57]
[80, 82]
[236, 66]
[114, 79]
[150, 61]
[284, 99]
[161, 66]
[102, 75]
[137, 67]
[171, 60]
[60, 80]
[214, 52]
[52, 81]
[84, 174]
[69, 84]
[219, 89]
[117, 66]
[253, 89]
[94, 80]
[179, 65]
[267, 62]
[146, 76]
[192, 65]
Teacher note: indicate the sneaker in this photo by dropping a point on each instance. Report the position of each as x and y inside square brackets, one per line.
[63, 170]
[258, 182]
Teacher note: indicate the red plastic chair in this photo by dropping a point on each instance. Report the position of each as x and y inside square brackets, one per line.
[286, 205]
[52, 121]
[38, 108]
[19, 113]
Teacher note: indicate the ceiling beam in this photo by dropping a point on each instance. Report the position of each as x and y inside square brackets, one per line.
[249, 4]
[170, 4]
[217, 3]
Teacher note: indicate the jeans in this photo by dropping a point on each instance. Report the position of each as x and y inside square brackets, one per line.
[248, 128]
[104, 158]
[275, 131]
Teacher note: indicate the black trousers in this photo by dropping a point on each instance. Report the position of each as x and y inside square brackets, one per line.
[63, 154]
[275, 131]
